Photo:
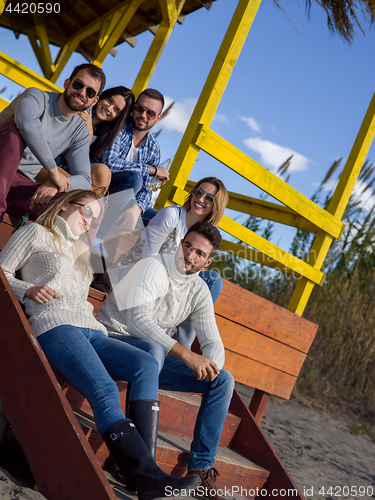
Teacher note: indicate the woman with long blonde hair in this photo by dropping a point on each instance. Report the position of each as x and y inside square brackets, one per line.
[56, 275]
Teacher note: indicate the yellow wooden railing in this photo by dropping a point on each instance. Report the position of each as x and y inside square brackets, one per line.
[294, 209]
[297, 210]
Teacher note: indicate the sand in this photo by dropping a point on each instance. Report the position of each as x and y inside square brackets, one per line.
[317, 450]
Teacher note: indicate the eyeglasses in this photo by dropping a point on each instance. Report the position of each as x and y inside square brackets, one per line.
[151, 114]
[78, 85]
[87, 213]
[198, 192]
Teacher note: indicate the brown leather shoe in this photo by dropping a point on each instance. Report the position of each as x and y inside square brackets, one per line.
[208, 488]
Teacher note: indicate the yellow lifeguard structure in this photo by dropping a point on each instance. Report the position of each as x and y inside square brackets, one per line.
[95, 32]
[94, 29]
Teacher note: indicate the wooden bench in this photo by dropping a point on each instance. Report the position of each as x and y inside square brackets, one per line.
[265, 348]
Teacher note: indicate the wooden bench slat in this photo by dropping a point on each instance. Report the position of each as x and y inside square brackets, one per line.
[253, 345]
[254, 374]
[261, 315]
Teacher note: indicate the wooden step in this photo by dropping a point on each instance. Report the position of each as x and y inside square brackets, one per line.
[178, 412]
[235, 470]
[172, 455]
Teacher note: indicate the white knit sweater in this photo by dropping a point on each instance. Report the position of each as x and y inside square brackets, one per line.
[31, 250]
[154, 297]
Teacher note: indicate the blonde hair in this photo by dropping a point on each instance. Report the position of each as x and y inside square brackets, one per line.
[220, 200]
[47, 219]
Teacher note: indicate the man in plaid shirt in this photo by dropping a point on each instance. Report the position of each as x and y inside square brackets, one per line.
[134, 158]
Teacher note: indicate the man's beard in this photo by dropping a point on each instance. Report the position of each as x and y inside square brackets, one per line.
[146, 126]
[73, 104]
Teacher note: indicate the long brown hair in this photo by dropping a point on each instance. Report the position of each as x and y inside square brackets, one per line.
[47, 220]
[220, 200]
[108, 131]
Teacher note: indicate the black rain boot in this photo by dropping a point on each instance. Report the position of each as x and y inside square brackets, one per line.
[145, 415]
[132, 457]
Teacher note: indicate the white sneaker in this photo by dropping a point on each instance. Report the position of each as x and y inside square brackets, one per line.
[98, 248]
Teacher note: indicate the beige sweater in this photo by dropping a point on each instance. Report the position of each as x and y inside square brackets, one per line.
[154, 297]
[31, 250]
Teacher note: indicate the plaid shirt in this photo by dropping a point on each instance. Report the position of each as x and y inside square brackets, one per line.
[149, 155]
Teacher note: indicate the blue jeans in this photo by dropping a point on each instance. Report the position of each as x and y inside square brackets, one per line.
[216, 398]
[152, 348]
[125, 179]
[91, 362]
[214, 282]
[148, 215]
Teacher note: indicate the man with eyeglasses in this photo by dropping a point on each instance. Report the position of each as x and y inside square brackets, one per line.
[35, 128]
[133, 160]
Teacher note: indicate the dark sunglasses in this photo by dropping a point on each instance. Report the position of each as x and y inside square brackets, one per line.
[151, 114]
[87, 213]
[198, 192]
[78, 85]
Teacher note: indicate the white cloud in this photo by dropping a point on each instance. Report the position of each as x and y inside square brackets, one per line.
[273, 155]
[219, 117]
[179, 116]
[251, 122]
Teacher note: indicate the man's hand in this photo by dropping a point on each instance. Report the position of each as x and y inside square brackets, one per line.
[59, 179]
[163, 174]
[201, 366]
[43, 195]
[128, 220]
[41, 294]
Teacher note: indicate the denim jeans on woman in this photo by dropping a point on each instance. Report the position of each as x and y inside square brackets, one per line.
[91, 362]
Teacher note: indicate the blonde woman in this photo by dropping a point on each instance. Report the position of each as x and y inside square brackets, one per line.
[56, 275]
[206, 202]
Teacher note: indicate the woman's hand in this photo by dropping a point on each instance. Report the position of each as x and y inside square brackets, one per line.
[41, 294]
[87, 117]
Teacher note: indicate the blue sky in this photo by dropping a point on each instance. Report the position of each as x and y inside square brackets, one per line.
[296, 89]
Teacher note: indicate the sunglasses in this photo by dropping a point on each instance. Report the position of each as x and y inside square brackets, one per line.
[87, 213]
[78, 85]
[151, 114]
[198, 193]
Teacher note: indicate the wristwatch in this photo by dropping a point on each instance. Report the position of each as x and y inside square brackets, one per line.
[153, 175]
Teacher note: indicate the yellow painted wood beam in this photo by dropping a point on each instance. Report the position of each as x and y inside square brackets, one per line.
[41, 49]
[239, 162]
[248, 253]
[337, 205]
[107, 28]
[116, 29]
[298, 266]
[3, 103]
[62, 58]
[211, 94]
[94, 26]
[170, 11]
[25, 77]
[265, 210]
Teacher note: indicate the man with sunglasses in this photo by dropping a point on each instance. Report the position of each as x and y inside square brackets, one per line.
[134, 158]
[158, 294]
[35, 128]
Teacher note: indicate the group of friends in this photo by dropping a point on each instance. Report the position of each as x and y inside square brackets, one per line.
[59, 153]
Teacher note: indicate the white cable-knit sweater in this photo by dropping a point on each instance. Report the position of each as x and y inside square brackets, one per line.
[154, 297]
[31, 250]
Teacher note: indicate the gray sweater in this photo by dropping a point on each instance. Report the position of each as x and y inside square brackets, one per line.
[47, 133]
[154, 297]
